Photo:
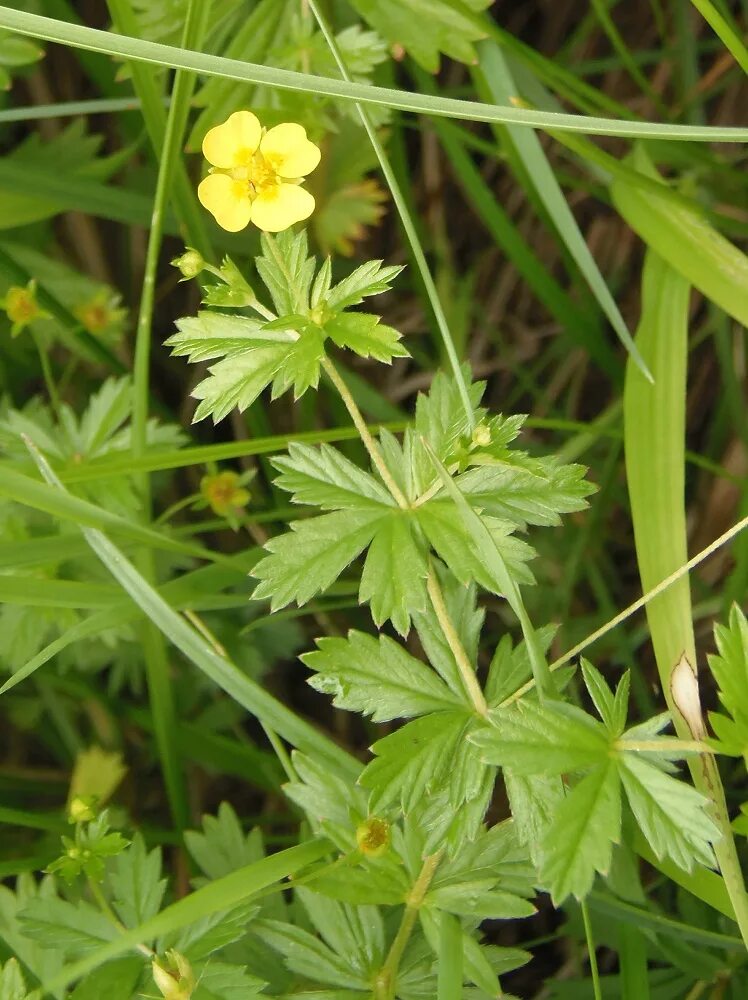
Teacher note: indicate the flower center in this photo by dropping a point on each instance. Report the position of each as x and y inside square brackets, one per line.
[253, 174]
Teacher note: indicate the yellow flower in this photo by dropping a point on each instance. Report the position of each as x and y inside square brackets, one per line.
[101, 312]
[224, 493]
[256, 174]
[373, 836]
[21, 307]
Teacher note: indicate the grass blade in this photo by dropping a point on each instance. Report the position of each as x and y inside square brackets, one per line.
[497, 79]
[92, 39]
[654, 438]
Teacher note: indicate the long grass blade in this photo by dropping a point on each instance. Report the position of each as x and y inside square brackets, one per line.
[120, 46]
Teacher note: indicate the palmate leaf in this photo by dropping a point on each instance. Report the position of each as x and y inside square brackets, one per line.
[74, 928]
[426, 28]
[366, 335]
[371, 278]
[136, 884]
[211, 335]
[287, 271]
[306, 955]
[580, 840]
[377, 678]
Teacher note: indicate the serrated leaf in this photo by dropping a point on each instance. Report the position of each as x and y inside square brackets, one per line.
[534, 801]
[211, 335]
[376, 677]
[394, 574]
[325, 478]
[236, 382]
[211, 933]
[307, 955]
[222, 981]
[542, 739]
[313, 554]
[368, 279]
[12, 985]
[365, 334]
[414, 759]
[115, 980]
[322, 795]
[301, 364]
[729, 665]
[524, 497]
[287, 270]
[467, 619]
[425, 28]
[580, 840]
[136, 885]
[72, 928]
[222, 846]
[671, 814]
[510, 666]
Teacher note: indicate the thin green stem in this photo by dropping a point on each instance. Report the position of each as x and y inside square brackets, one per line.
[453, 640]
[591, 951]
[725, 31]
[407, 222]
[385, 983]
[364, 433]
[49, 380]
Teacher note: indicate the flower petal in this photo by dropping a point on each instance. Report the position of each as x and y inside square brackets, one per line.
[227, 200]
[233, 142]
[278, 207]
[289, 151]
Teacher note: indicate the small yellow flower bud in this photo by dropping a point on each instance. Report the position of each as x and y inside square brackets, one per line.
[175, 979]
[81, 809]
[373, 836]
[191, 263]
[481, 436]
[100, 313]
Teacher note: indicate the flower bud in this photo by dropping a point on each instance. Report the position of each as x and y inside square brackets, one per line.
[81, 809]
[21, 307]
[191, 263]
[373, 836]
[175, 979]
[481, 436]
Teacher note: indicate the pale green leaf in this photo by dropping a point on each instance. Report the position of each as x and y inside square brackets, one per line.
[325, 478]
[671, 814]
[366, 335]
[370, 278]
[134, 876]
[376, 677]
[211, 335]
[580, 840]
[236, 382]
[395, 571]
[313, 554]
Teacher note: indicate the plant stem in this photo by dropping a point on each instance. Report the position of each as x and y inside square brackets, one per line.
[386, 979]
[49, 380]
[591, 951]
[106, 909]
[458, 650]
[364, 433]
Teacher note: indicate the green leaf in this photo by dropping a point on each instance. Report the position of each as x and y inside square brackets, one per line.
[287, 270]
[679, 233]
[376, 677]
[309, 957]
[394, 574]
[729, 665]
[524, 497]
[370, 278]
[312, 555]
[467, 619]
[365, 334]
[237, 381]
[222, 847]
[325, 478]
[211, 932]
[425, 28]
[73, 928]
[671, 814]
[12, 985]
[480, 900]
[542, 739]
[211, 335]
[117, 980]
[222, 981]
[580, 840]
[414, 759]
[510, 666]
[301, 363]
[137, 888]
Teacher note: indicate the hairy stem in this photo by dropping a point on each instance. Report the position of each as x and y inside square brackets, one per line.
[385, 982]
[458, 650]
[368, 441]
